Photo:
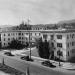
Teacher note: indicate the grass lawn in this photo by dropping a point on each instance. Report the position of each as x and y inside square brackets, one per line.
[6, 70]
[33, 53]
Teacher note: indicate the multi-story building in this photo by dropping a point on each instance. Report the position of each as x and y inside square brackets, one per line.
[7, 36]
[60, 39]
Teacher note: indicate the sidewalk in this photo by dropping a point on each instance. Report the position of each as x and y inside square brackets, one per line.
[64, 65]
[68, 66]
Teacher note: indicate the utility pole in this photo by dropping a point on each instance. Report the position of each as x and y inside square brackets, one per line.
[29, 40]
[59, 57]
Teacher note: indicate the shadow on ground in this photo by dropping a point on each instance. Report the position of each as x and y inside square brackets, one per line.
[72, 60]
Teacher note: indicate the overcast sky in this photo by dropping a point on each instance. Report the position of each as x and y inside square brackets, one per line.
[39, 11]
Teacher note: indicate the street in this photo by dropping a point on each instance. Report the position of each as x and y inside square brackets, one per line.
[3, 73]
[35, 67]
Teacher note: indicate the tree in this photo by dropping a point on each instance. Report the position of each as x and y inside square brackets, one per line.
[23, 26]
[37, 41]
[15, 44]
[60, 54]
[43, 49]
[40, 49]
[46, 49]
[26, 44]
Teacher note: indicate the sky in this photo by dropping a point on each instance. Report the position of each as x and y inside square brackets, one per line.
[13, 12]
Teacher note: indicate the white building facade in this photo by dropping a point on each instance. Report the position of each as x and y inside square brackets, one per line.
[63, 40]
[20, 35]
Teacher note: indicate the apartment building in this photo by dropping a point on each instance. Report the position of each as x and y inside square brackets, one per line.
[62, 40]
[7, 36]
[59, 39]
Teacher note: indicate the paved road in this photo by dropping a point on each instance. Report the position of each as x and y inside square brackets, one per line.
[3, 73]
[35, 67]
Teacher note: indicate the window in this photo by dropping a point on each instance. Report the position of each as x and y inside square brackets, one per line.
[35, 28]
[52, 44]
[72, 43]
[8, 43]
[45, 28]
[19, 37]
[52, 37]
[8, 38]
[26, 38]
[22, 33]
[26, 33]
[35, 33]
[73, 51]
[39, 33]
[4, 34]
[67, 36]
[59, 36]
[4, 43]
[4, 39]
[45, 36]
[59, 45]
[22, 37]
[8, 34]
[38, 28]
[19, 33]
[72, 35]
[20, 41]
[68, 45]
[59, 53]
[68, 53]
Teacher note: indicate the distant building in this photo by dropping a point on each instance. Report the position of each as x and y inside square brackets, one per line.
[39, 27]
[43, 27]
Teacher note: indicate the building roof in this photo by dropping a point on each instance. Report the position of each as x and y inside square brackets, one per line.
[42, 31]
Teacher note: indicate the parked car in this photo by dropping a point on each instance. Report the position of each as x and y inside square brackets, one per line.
[48, 63]
[26, 58]
[8, 54]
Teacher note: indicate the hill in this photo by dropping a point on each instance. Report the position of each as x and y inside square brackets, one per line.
[67, 21]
